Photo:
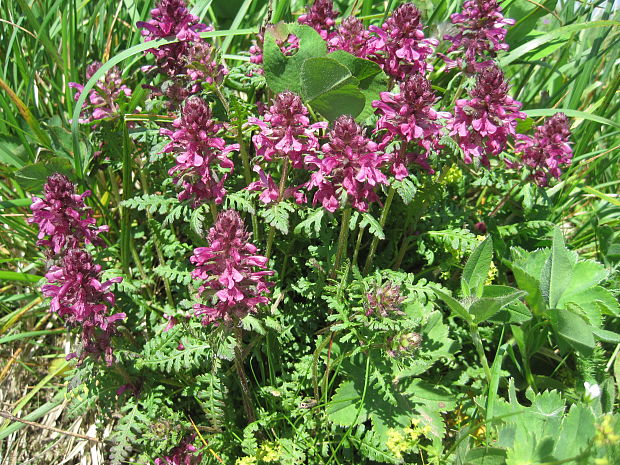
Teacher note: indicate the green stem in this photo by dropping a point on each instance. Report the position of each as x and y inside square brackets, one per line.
[475, 336]
[245, 387]
[213, 209]
[382, 220]
[272, 231]
[342, 238]
[358, 243]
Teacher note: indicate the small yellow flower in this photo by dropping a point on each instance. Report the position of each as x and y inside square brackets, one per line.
[269, 452]
[601, 461]
[605, 434]
[492, 274]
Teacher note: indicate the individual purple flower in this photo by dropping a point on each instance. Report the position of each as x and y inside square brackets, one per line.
[321, 16]
[102, 99]
[201, 154]
[481, 31]
[64, 220]
[548, 151]
[79, 296]
[482, 124]
[384, 299]
[231, 286]
[202, 64]
[183, 454]
[270, 192]
[351, 164]
[171, 18]
[409, 116]
[399, 45]
[352, 37]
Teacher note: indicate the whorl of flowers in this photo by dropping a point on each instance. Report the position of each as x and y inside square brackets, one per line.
[202, 64]
[285, 130]
[351, 163]
[199, 151]
[481, 31]
[183, 454]
[400, 46]
[101, 101]
[409, 116]
[384, 300]
[321, 16]
[79, 296]
[548, 150]
[64, 220]
[483, 123]
[404, 344]
[226, 266]
[351, 36]
[171, 18]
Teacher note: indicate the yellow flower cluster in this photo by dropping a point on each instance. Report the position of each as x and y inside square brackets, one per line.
[407, 440]
[605, 433]
[268, 452]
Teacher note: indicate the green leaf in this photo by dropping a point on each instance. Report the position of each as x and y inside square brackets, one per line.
[575, 114]
[372, 80]
[606, 336]
[493, 300]
[457, 308]
[17, 276]
[330, 88]
[528, 14]
[574, 331]
[32, 177]
[477, 268]
[283, 72]
[485, 456]
[557, 271]
[344, 406]
[374, 227]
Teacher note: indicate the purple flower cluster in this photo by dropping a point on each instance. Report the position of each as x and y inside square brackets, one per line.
[202, 64]
[483, 123]
[226, 267]
[101, 102]
[183, 454]
[171, 18]
[351, 36]
[384, 300]
[64, 219]
[400, 46]
[285, 133]
[201, 155]
[548, 150]
[79, 296]
[409, 116]
[75, 286]
[321, 16]
[351, 163]
[481, 32]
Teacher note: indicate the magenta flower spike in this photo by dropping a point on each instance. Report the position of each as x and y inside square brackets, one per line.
[101, 101]
[183, 454]
[285, 132]
[202, 64]
[199, 151]
[171, 18]
[548, 151]
[351, 164]
[79, 296]
[409, 116]
[482, 124]
[64, 220]
[321, 16]
[384, 300]
[400, 46]
[227, 268]
[351, 36]
[481, 32]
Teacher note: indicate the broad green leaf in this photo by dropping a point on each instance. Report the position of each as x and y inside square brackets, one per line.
[372, 80]
[344, 406]
[32, 177]
[514, 312]
[606, 336]
[557, 271]
[283, 72]
[577, 425]
[457, 308]
[12, 153]
[330, 88]
[485, 456]
[492, 301]
[528, 14]
[574, 331]
[477, 268]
